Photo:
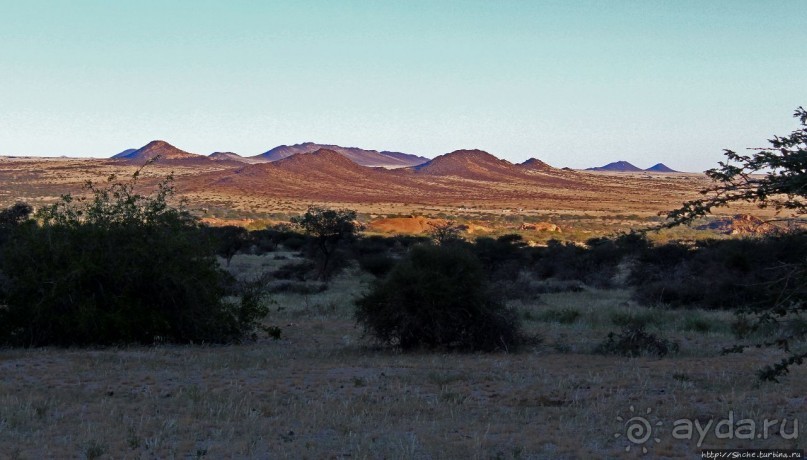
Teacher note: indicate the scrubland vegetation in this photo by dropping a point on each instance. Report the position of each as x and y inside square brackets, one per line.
[362, 356]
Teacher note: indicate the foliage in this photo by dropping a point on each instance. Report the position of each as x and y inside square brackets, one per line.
[775, 177]
[378, 264]
[229, 240]
[117, 267]
[502, 257]
[375, 254]
[444, 232]
[437, 298]
[563, 316]
[721, 274]
[635, 320]
[15, 214]
[12, 217]
[635, 341]
[327, 227]
[596, 264]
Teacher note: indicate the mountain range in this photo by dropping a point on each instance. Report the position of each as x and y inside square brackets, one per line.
[462, 178]
[471, 164]
[624, 166]
[325, 174]
[372, 158]
[363, 157]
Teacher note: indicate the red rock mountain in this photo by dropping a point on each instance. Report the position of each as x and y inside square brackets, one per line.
[470, 164]
[359, 156]
[320, 161]
[316, 175]
[224, 156]
[460, 176]
[535, 164]
[165, 150]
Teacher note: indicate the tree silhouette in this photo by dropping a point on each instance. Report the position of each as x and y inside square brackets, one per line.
[769, 177]
[327, 227]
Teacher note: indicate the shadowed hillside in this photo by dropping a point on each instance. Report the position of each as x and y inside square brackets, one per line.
[617, 166]
[661, 168]
[534, 164]
[357, 155]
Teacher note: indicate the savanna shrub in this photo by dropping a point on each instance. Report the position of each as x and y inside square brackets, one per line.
[437, 298]
[378, 264]
[596, 264]
[563, 316]
[117, 267]
[635, 341]
[723, 274]
[12, 217]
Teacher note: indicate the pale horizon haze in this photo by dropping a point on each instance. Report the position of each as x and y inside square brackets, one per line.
[573, 83]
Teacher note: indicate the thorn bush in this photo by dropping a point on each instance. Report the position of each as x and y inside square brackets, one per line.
[437, 298]
[635, 341]
[116, 267]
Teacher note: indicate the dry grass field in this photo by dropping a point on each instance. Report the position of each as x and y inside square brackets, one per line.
[322, 391]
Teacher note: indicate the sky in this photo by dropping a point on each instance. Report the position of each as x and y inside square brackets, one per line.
[573, 83]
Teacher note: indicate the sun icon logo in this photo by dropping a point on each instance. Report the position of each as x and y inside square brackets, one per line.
[638, 429]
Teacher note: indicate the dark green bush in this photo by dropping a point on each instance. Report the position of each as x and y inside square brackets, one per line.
[295, 243]
[501, 258]
[631, 320]
[117, 267]
[722, 274]
[698, 324]
[11, 217]
[299, 270]
[437, 298]
[563, 316]
[635, 341]
[298, 288]
[378, 264]
[596, 264]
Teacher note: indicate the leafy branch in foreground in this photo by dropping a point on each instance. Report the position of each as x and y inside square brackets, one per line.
[769, 177]
[773, 177]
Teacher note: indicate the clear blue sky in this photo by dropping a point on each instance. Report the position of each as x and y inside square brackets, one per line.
[574, 83]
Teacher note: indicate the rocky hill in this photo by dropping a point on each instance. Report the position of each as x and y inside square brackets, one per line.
[357, 155]
[660, 168]
[162, 149]
[470, 164]
[617, 166]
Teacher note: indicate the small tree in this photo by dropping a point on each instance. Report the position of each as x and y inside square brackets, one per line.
[229, 240]
[769, 177]
[444, 232]
[327, 227]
